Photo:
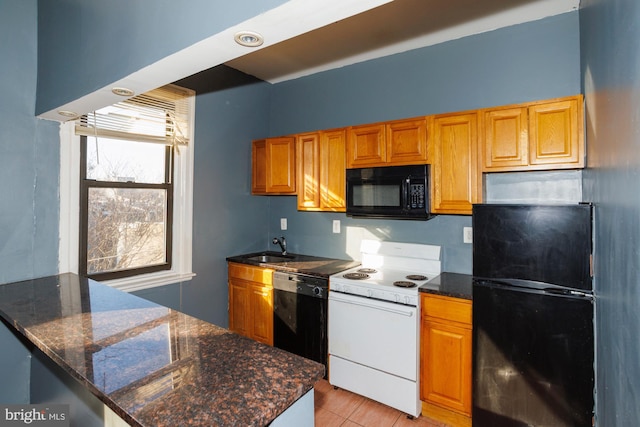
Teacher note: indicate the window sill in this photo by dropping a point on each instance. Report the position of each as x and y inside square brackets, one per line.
[148, 281]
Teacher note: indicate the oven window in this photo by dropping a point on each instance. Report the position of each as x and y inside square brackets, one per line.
[376, 195]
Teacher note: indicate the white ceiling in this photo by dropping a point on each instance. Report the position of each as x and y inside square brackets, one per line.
[398, 26]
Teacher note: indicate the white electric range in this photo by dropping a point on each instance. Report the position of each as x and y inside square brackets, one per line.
[374, 322]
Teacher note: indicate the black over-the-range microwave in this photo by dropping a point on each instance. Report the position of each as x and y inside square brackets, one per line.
[399, 192]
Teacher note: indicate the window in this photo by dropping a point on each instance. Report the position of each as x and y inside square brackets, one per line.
[131, 164]
[126, 206]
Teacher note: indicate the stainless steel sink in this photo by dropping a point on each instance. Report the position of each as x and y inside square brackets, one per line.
[269, 258]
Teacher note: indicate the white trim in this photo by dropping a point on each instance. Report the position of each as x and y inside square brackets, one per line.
[69, 199]
[147, 281]
[182, 214]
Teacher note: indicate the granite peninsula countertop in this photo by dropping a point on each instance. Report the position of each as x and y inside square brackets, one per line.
[453, 285]
[154, 366]
[296, 263]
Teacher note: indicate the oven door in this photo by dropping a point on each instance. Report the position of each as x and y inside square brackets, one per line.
[376, 334]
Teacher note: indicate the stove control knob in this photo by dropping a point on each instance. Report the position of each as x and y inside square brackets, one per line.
[407, 300]
[369, 293]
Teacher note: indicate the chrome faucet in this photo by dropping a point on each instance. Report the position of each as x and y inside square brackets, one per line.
[282, 242]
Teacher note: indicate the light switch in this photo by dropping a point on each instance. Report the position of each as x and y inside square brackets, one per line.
[467, 235]
[283, 223]
[336, 226]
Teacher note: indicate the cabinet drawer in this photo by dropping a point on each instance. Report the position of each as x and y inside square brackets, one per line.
[251, 273]
[446, 308]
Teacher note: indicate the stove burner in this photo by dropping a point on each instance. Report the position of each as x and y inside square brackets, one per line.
[404, 284]
[356, 276]
[367, 270]
[417, 277]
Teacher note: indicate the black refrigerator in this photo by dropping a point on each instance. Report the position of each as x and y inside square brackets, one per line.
[533, 338]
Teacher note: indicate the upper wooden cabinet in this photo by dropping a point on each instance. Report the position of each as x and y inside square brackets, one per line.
[274, 166]
[534, 136]
[399, 142]
[455, 177]
[308, 162]
[366, 146]
[321, 170]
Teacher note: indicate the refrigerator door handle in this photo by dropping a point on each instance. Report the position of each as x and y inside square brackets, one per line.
[568, 292]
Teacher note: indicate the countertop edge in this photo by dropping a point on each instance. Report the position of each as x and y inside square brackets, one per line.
[454, 285]
[303, 264]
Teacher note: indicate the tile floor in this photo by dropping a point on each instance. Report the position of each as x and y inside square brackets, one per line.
[337, 407]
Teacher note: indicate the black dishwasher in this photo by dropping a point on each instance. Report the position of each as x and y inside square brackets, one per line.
[300, 315]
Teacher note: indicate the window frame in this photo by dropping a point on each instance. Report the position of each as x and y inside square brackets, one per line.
[182, 227]
[87, 184]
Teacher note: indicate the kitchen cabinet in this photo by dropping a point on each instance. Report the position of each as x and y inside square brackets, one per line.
[321, 170]
[398, 142]
[534, 136]
[456, 181]
[407, 141]
[251, 302]
[366, 146]
[273, 166]
[445, 358]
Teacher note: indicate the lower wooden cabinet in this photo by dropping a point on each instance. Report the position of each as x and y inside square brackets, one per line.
[251, 302]
[445, 358]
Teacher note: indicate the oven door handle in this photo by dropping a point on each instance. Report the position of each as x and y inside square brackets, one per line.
[407, 313]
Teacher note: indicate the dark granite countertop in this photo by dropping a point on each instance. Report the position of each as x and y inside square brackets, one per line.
[296, 263]
[454, 285]
[151, 365]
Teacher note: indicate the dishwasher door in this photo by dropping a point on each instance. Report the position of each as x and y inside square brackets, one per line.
[300, 315]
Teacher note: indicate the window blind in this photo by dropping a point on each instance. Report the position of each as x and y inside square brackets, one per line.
[159, 116]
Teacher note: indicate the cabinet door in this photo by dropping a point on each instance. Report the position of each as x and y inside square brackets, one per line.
[505, 140]
[238, 307]
[366, 146]
[259, 167]
[407, 142]
[446, 365]
[455, 178]
[556, 134]
[281, 165]
[308, 159]
[261, 313]
[333, 167]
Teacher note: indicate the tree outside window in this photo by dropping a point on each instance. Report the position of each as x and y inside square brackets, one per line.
[126, 207]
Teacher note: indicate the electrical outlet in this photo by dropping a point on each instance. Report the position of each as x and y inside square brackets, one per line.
[283, 223]
[467, 235]
[336, 226]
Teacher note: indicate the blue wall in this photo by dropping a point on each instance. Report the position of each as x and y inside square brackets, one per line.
[227, 220]
[610, 46]
[230, 112]
[88, 44]
[29, 163]
[537, 60]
